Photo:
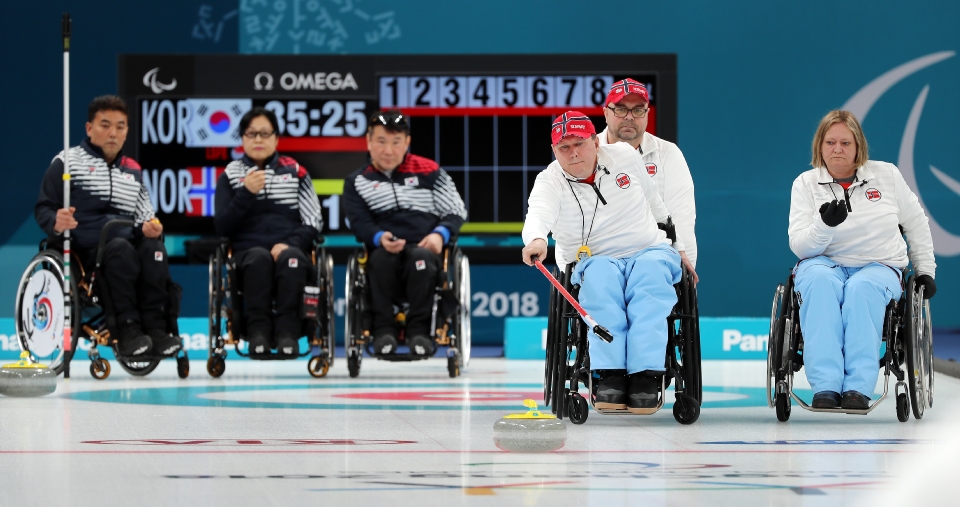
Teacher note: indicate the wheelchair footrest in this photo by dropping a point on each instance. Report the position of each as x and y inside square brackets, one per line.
[401, 357]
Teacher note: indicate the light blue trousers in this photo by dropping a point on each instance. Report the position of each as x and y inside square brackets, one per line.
[841, 316]
[632, 298]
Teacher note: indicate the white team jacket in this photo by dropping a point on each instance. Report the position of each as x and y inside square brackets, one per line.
[665, 164]
[621, 228]
[880, 201]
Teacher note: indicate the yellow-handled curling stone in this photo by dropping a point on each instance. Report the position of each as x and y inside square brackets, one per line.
[26, 378]
[533, 431]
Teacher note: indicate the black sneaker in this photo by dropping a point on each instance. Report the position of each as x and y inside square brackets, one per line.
[611, 392]
[384, 344]
[826, 399]
[644, 393]
[259, 342]
[164, 343]
[853, 400]
[288, 345]
[422, 345]
[132, 340]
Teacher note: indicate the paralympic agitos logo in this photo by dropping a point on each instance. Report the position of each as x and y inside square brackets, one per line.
[945, 242]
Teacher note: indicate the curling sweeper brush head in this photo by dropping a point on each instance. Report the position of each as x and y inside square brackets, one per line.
[533, 431]
[25, 378]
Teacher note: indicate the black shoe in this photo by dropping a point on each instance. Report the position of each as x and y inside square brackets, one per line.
[288, 344]
[164, 343]
[853, 400]
[259, 342]
[611, 392]
[132, 340]
[384, 344]
[826, 399]
[644, 393]
[422, 346]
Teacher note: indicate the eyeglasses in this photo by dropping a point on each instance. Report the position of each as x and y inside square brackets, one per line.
[391, 118]
[621, 112]
[253, 134]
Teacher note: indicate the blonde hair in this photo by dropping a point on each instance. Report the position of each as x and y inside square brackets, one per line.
[832, 118]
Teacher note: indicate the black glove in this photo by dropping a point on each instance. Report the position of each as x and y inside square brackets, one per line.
[833, 213]
[929, 286]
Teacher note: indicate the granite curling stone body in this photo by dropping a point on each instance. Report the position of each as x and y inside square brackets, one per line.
[532, 431]
[26, 379]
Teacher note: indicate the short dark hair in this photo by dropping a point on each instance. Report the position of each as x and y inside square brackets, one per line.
[392, 120]
[106, 103]
[256, 113]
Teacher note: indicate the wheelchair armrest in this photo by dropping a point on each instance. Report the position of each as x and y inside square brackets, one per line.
[669, 228]
[105, 235]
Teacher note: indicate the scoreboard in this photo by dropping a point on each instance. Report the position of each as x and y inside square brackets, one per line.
[484, 118]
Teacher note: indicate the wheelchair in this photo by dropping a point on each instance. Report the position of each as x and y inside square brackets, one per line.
[907, 335]
[450, 314]
[568, 358]
[226, 312]
[40, 313]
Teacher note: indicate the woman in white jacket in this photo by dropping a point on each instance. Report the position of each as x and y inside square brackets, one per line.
[846, 217]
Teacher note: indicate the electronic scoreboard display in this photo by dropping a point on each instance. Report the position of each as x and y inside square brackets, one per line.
[484, 118]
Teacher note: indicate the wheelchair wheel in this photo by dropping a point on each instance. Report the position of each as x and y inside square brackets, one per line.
[39, 314]
[577, 408]
[686, 409]
[330, 330]
[553, 326]
[183, 367]
[463, 313]
[903, 408]
[692, 367]
[918, 345]
[773, 346]
[100, 368]
[138, 368]
[353, 363]
[783, 407]
[216, 365]
[453, 366]
[215, 304]
[318, 366]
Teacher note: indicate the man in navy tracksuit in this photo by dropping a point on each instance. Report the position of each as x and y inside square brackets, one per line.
[105, 185]
[404, 208]
[266, 205]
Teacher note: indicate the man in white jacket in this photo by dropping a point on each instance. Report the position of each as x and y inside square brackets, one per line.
[626, 111]
[603, 209]
[846, 216]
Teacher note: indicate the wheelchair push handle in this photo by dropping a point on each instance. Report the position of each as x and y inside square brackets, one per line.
[600, 331]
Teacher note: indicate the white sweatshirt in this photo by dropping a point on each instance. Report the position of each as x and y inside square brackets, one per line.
[880, 201]
[665, 164]
[621, 228]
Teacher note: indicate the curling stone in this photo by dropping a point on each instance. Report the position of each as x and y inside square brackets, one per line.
[532, 431]
[25, 378]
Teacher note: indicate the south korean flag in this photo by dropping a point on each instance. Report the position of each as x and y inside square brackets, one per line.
[214, 122]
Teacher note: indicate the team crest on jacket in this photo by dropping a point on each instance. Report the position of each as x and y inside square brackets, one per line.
[411, 181]
[623, 180]
[873, 194]
[652, 169]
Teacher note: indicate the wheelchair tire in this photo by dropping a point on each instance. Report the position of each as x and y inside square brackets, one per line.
[100, 368]
[50, 261]
[330, 330]
[774, 345]
[686, 409]
[453, 366]
[692, 365]
[353, 364]
[351, 314]
[215, 308]
[183, 367]
[138, 368]
[216, 365]
[318, 367]
[903, 408]
[783, 407]
[577, 408]
[918, 346]
[463, 328]
[549, 366]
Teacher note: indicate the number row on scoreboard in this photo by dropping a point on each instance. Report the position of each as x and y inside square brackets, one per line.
[493, 91]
